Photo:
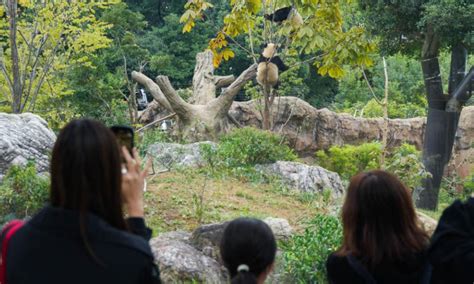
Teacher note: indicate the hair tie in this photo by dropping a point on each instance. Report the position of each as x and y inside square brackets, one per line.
[243, 267]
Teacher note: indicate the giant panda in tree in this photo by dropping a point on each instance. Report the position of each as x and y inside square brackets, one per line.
[269, 67]
[286, 14]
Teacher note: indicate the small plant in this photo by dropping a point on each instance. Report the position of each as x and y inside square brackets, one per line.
[405, 162]
[249, 146]
[22, 192]
[457, 188]
[305, 255]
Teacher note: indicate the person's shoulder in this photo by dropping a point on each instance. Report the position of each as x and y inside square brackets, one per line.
[127, 240]
[335, 260]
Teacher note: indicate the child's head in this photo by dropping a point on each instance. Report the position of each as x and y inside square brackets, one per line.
[248, 250]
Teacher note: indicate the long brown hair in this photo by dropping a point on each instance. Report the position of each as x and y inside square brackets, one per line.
[379, 220]
[86, 174]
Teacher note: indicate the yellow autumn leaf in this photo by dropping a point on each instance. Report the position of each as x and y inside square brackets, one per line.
[227, 54]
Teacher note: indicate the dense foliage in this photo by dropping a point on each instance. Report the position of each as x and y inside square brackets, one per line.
[249, 146]
[240, 150]
[305, 255]
[347, 161]
[22, 192]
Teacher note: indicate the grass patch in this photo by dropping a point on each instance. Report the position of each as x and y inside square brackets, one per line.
[182, 200]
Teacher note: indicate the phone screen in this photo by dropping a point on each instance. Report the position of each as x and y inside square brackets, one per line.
[124, 135]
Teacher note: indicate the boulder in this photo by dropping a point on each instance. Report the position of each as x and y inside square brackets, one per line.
[280, 227]
[462, 160]
[24, 137]
[185, 257]
[305, 178]
[207, 239]
[179, 261]
[171, 155]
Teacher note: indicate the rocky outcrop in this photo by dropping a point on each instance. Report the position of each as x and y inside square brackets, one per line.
[309, 129]
[280, 228]
[179, 261]
[304, 178]
[171, 155]
[462, 161]
[185, 257]
[24, 137]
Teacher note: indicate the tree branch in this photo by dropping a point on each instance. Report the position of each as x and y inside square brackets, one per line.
[179, 106]
[224, 101]
[153, 88]
[223, 81]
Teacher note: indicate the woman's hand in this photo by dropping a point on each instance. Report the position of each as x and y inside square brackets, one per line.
[133, 183]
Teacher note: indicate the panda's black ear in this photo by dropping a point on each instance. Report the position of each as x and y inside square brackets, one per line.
[263, 45]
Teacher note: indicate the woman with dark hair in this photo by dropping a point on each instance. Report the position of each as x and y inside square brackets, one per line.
[383, 242]
[82, 236]
[248, 250]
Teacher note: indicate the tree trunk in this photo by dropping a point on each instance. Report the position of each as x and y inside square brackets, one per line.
[266, 117]
[441, 125]
[17, 88]
[207, 115]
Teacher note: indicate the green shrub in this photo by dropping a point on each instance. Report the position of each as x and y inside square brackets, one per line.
[249, 146]
[305, 255]
[404, 161]
[22, 192]
[349, 160]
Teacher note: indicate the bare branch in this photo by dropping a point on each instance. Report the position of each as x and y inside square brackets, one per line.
[370, 88]
[5, 74]
[224, 101]
[153, 88]
[223, 81]
[179, 106]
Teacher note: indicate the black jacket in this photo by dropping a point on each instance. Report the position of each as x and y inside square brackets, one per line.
[411, 270]
[49, 249]
[452, 245]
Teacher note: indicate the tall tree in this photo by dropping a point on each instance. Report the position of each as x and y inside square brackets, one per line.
[425, 27]
[39, 39]
[322, 32]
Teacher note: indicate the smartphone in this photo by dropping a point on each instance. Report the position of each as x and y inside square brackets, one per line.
[124, 136]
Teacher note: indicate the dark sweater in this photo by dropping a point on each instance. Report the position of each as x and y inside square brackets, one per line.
[340, 271]
[452, 245]
[49, 249]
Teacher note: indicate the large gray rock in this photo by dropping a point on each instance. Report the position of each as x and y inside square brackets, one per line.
[207, 239]
[189, 257]
[178, 261]
[280, 228]
[24, 137]
[171, 155]
[312, 179]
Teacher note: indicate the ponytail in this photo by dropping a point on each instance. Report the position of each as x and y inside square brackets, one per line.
[244, 276]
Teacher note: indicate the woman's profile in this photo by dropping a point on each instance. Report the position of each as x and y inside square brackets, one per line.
[82, 236]
[382, 240]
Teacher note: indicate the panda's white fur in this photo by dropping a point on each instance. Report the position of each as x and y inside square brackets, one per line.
[267, 72]
[295, 19]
